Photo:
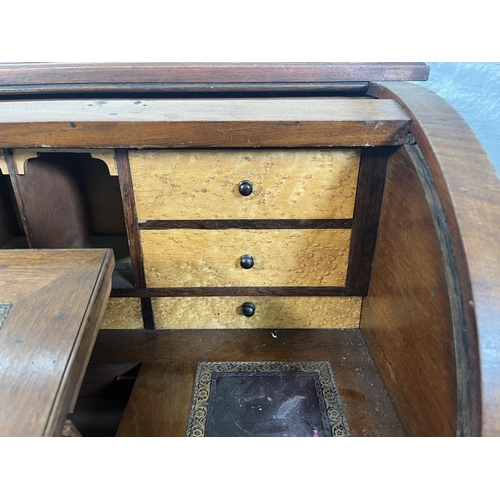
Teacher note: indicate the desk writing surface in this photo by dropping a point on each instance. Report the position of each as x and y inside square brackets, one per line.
[53, 301]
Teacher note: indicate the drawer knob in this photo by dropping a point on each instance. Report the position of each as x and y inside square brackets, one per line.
[248, 309]
[245, 188]
[246, 261]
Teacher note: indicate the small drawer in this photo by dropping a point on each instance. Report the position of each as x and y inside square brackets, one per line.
[123, 314]
[269, 312]
[213, 258]
[285, 184]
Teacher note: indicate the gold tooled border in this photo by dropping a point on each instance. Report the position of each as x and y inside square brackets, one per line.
[202, 384]
[4, 310]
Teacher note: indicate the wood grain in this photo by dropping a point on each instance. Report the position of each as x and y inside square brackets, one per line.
[120, 73]
[246, 123]
[270, 312]
[406, 318]
[58, 301]
[161, 397]
[123, 313]
[287, 184]
[369, 192]
[134, 239]
[285, 257]
[469, 190]
[52, 202]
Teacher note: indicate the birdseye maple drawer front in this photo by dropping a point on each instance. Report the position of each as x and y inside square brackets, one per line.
[252, 257]
[123, 313]
[283, 184]
[267, 312]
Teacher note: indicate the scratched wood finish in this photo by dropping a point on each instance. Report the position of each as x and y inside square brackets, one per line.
[468, 187]
[286, 257]
[406, 317]
[270, 312]
[287, 184]
[196, 122]
[122, 314]
[58, 301]
[161, 397]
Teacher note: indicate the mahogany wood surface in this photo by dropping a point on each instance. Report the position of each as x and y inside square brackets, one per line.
[161, 397]
[126, 73]
[58, 298]
[202, 123]
[52, 201]
[406, 319]
[468, 187]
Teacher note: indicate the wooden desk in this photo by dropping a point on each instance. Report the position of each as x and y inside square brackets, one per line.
[58, 299]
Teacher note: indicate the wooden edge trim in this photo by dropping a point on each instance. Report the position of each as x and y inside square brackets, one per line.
[119, 73]
[230, 291]
[465, 392]
[467, 185]
[247, 224]
[82, 349]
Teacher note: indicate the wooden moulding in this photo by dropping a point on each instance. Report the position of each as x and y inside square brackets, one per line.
[325, 122]
[121, 74]
[270, 312]
[287, 184]
[285, 257]
[468, 189]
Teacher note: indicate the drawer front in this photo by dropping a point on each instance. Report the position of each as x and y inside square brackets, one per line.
[212, 258]
[270, 312]
[286, 184]
[123, 313]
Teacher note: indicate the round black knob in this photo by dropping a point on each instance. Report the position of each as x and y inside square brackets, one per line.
[248, 309]
[246, 261]
[245, 188]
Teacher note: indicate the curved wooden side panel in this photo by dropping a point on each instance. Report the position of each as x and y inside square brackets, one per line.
[467, 189]
[406, 318]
